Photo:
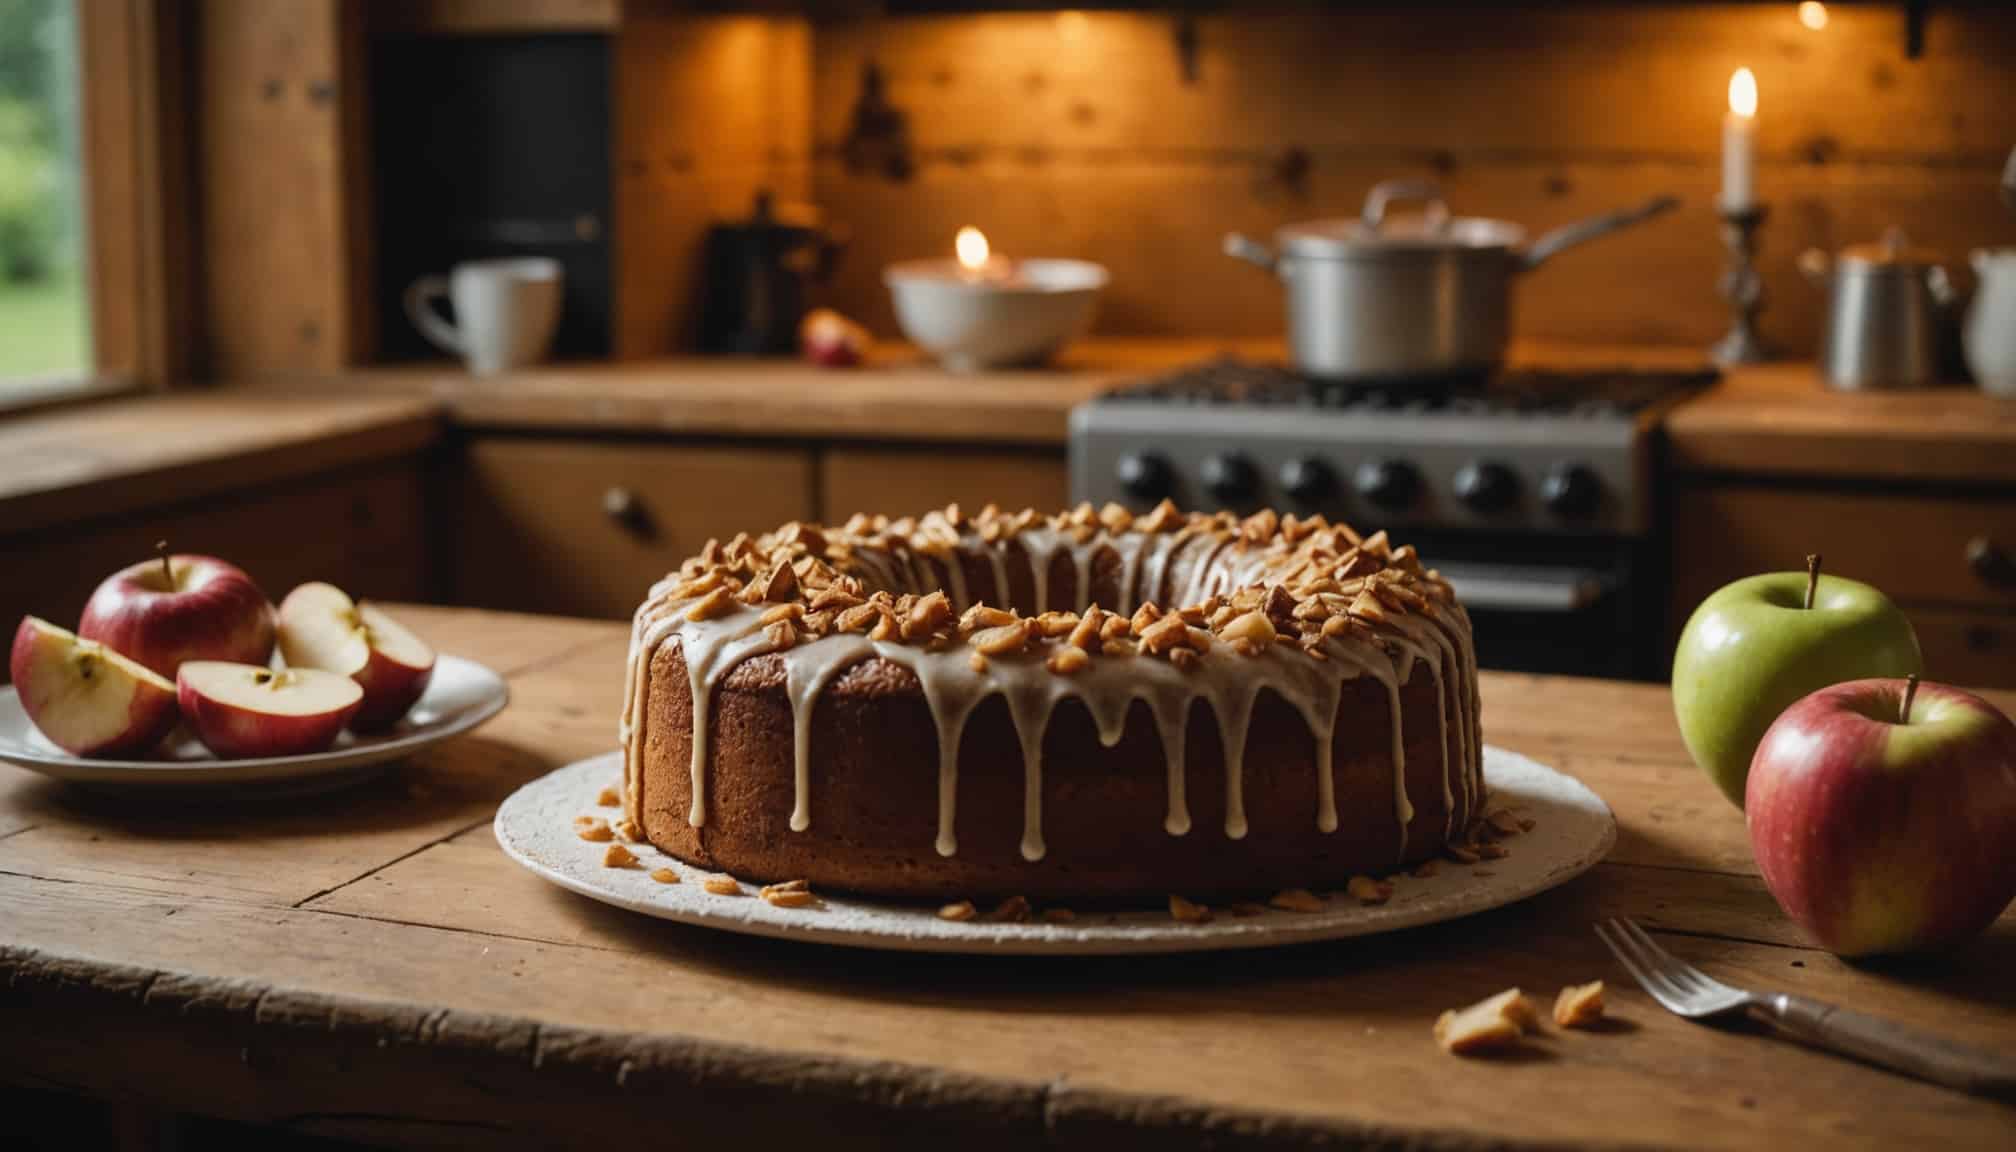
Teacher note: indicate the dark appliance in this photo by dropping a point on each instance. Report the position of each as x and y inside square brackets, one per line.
[1535, 492]
[758, 273]
[486, 147]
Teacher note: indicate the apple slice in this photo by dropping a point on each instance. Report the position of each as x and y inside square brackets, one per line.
[87, 699]
[321, 627]
[242, 710]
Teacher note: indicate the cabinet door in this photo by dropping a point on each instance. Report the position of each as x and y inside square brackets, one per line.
[898, 482]
[362, 529]
[583, 528]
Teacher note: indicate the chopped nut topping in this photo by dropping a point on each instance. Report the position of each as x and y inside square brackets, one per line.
[1297, 900]
[1003, 640]
[1184, 912]
[858, 618]
[1086, 634]
[617, 856]
[1579, 1005]
[963, 910]
[834, 597]
[1185, 659]
[1161, 518]
[628, 830]
[981, 616]
[719, 602]
[1054, 624]
[781, 635]
[597, 830]
[928, 615]
[1254, 629]
[1066, 660]
[665, 876]
[1145, 617]
[977, 661]
[887, 625]
[722, 886]
[609, 798]
[789, 894]
[1366, 890]
[795, 610]
[1488, 1025]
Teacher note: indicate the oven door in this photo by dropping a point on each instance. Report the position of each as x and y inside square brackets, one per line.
[1560, 619]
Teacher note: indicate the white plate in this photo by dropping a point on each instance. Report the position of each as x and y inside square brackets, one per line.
[1573, 830]
[461, 695]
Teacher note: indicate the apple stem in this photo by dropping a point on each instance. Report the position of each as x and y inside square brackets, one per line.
[1910, 692]
[1812, 578]
[167, 569]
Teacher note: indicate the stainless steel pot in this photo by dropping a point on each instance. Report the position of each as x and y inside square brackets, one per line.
[1421, 296]
[1887, 308]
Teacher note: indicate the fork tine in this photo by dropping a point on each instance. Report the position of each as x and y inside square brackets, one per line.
[1683, 974]
[1614, 939]
[1655, 964]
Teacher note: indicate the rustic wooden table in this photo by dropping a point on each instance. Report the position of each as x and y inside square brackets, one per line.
[367, 963]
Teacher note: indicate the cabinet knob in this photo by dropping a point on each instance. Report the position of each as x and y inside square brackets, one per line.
[1990, 561]
[624, 508]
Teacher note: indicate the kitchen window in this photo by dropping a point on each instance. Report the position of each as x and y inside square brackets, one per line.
[83, 282]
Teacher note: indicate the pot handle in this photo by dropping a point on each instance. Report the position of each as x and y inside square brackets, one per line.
[1583, 231]
[1239, 247]
[1384, 193]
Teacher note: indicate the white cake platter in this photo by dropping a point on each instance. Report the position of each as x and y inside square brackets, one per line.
[1572, 831]
[461, 695]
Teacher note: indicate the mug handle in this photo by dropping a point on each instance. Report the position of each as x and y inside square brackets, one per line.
[420, 297]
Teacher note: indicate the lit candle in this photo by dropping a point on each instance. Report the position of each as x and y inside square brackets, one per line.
[1739, 144]
[976, 259]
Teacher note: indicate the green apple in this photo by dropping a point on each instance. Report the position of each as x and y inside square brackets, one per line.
[1755, 646]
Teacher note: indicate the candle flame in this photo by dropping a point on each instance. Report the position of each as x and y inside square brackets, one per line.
[971, 244]
[1813, 14]
[1743, 93]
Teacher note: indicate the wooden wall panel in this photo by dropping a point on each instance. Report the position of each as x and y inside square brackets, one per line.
[709, 110]
[1079, 135]
[281, 152]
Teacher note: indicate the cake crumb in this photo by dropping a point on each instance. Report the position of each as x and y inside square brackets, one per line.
[1366, 890]
[618, 857]
[963, 910]
[1579, 1005]
[609, 798]
[1503, 822]
[1527, 823]
[628, 830]
[1013, 910]
[1492, 850]
[722, 886]
[596, 829]
[1490, 1025]
[1425, 869]
[665, 876]
[1246, 910]
[1058, 916]
[1460, 853]
[1185, 912]
[1297, 900]
[792, 894]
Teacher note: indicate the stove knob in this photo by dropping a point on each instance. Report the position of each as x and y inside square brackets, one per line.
[1307, 480]
[1388, 484]
[1229, 477]
[1571, 492]
[1144, 476]
[1486, 486]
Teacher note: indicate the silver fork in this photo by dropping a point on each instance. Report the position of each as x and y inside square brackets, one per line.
[1685, 990]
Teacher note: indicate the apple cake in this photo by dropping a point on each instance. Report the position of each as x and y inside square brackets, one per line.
[949, 707]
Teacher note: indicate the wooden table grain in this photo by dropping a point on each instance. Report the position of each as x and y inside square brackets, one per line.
[368, 963]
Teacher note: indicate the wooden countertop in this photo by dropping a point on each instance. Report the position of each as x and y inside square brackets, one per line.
[1778, 419]
[368, 963]
[98, 459]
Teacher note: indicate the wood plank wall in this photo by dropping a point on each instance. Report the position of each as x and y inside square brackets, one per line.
[1079, 134]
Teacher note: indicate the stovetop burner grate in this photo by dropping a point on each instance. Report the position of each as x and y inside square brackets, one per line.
[1573, 394]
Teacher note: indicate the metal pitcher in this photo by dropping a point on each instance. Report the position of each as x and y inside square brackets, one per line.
[1887, 306]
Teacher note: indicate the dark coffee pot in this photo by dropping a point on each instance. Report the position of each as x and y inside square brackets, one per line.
[757, 274]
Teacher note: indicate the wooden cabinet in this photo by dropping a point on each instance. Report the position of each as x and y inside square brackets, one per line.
[584, 527]
[900, 481]
[1950, 560]
[363, 528]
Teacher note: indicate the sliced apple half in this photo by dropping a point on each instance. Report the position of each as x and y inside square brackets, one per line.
[321, 627]
[86, 698]
[240, 710]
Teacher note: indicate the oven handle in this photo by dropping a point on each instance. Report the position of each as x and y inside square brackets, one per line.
[1511, 588]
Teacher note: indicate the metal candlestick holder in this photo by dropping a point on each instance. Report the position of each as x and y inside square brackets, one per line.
[1742, 286]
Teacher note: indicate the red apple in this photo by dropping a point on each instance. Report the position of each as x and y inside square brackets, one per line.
[831, 340]
[321, 627]
[173, 608]
[87, 699]
[1883, 819]
[242, 710]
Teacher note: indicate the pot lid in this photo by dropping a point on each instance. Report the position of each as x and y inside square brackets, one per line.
[1377, 232]
[1894, 252]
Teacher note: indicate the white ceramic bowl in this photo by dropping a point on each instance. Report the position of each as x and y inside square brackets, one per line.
[974, 323]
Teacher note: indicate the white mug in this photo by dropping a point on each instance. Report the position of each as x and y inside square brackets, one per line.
[1990, 331]
[505, 311]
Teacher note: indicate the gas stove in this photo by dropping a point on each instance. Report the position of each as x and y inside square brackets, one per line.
[1536, 491]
